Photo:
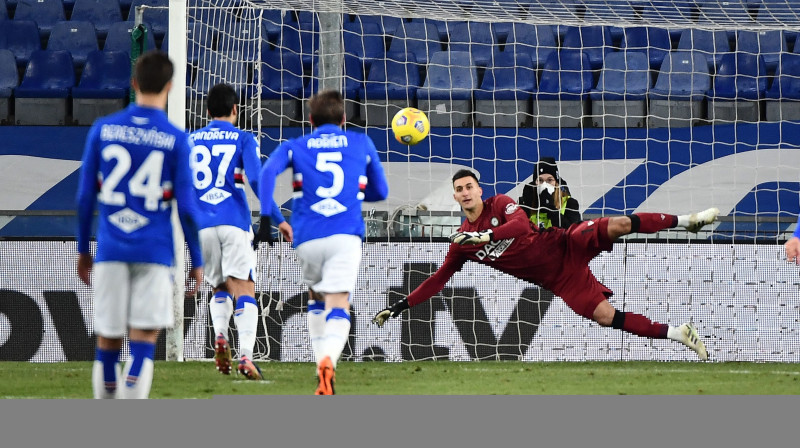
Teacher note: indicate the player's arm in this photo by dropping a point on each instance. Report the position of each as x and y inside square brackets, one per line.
[515, 224]
[251, 158]
[432, 285]
[278, 161]
[377, 185]
[187, 203]
[86, 200]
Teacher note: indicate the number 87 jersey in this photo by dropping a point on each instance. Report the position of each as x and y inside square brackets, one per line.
[134, 162]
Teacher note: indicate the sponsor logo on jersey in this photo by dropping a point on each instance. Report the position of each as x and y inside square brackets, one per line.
[128, 220]
[495, 222]
[328, 207]
[215, 195]
[511, 208]
[494, 249]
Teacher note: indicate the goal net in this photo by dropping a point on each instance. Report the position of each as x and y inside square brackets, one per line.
[663, 106]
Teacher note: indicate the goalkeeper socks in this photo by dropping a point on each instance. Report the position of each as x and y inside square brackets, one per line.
[316, 327]
[652, 222]
[639, 325]
[220, 308]
[138, 373]
[246, 318]
[105, 373]
[337, 330]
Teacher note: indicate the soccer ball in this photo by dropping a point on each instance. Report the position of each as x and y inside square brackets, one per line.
[410, 126]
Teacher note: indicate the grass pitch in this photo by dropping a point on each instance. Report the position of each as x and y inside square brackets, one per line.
[197, 379]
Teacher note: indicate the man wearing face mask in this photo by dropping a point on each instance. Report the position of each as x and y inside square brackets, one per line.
[547, 200]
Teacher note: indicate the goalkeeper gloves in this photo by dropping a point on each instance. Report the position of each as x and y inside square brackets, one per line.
[264, 233]
[461, 238]
[392, 311]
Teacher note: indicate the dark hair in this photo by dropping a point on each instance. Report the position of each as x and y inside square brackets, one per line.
[152, 72]
[464, 173]
[327, 107]
[221, 99]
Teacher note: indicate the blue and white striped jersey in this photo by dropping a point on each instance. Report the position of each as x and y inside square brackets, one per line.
[334, 171]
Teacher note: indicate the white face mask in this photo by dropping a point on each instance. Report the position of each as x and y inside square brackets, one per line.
[545, 186]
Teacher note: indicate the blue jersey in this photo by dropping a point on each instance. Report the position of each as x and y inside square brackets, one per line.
[134, 162]
[221, 157]
[334, 171]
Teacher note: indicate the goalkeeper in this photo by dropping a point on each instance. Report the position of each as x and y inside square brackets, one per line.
[497, 233]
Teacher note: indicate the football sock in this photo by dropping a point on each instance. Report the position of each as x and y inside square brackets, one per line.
[337, 329]
[105, 372]
[220, 307]
[246, 318]
[316, 327]
[138, 372]
[639, 325]
[652, 222]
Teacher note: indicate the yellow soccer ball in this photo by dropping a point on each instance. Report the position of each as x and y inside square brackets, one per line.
[410, 126]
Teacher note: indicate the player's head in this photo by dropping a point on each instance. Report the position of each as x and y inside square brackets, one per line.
[466, 190]
[152, 73]
[222, 101]
[547, 172]
[326, 107]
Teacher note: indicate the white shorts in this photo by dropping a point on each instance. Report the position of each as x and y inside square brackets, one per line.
[330, 264]
[227, 252]
[131, 295]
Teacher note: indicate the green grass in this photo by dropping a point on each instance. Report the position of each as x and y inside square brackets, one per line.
[200, 379]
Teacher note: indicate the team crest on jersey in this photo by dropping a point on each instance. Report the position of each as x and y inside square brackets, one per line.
[511, 208]
[128, 220]
[495, 222]
[214, 196]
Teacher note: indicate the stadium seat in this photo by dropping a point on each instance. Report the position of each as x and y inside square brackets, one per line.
[419, 38]
[652, 41]
[443, 27]
[388, 25]
[620, 98]
[609, 10]
[731, 13]
[214, 68]
[593, 40]
[102, 13]
[783, 96]
[476, 38]
[8, 82]
[391, 84]
[657, 11]
[103, 87]
[563, 90]
[119, 38]
[21, 37]
[712, 44]
[281, 81]
[273, 20]
[41, 98]
[364, 40]
[353, 83]
[304, 43]
[156, 16]
[738, 86]
[676, 99]
[538, 41]
[506, 91]
[769, 44]
[446, 93]
[241, 38]
[3, 10]
[44, 12]
[199, 37]
[77, 37]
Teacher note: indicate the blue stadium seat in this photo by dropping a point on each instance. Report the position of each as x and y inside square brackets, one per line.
[732, 13]
[419, 38]
[446, 93]
[41, 98]
[538, 41]
[476, 38]
[769, 44]
[563, 89]
[102, 13]
[22, 38]
[388, 25]
[610, 10]
[157, 17]
[676, 99]
[273, 20]
[740, 82]
[391, 84]
[8, 82]
[783, 96]
[506, 91]
[281, 80]
[658, 11]
[119, 38]
[654, 42]
[215, 68]
[364, 40]
[103, 87]
[44, 12]
[593, 40]
[353, 83]
[304, 43]
[241, 38]
[620, 98]
[3, 10]
[77, 37]
[712, 44]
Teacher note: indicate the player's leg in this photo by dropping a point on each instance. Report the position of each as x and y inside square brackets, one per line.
[150, 311]
[111, 298]
[653, 222]
[220, 307]
[316, 318]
